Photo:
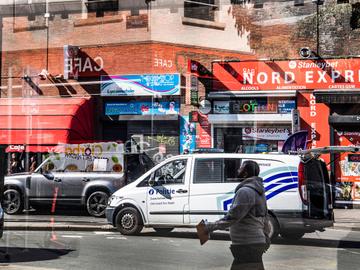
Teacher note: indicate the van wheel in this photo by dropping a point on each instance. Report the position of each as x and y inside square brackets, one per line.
[163, 230]
[13, 203]
[128, 221]
[292, 235]
[274, 227]
[96, 203]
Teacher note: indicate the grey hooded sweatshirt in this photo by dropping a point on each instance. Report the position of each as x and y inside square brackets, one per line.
[247, 215]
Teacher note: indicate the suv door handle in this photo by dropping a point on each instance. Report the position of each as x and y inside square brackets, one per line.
[86, 179]
[181, 191]
[57, 180]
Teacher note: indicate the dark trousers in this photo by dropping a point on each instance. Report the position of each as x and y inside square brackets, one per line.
[247, 257]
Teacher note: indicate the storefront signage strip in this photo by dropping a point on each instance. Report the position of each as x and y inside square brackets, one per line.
[287, 75]
[142, 108]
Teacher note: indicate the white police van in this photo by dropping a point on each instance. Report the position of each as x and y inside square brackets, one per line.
[182, 190]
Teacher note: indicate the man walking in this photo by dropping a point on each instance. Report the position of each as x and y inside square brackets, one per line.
[247, 219]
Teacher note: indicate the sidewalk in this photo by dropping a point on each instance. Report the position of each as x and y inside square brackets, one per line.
[345, 219]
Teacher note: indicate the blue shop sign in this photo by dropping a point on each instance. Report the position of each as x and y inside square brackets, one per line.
[142, 108]
[286, 106]
[140, 85]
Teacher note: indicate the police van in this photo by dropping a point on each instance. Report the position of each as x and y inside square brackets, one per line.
[183, 190]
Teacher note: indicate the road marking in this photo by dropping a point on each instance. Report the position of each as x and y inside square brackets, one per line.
[105, 233]
[116, 237]
[155, 239]
[72, 236]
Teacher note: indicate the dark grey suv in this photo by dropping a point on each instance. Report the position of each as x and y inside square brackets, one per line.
[63, 181]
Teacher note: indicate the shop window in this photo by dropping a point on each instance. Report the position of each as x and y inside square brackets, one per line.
[208, 171]
[99, 7]
[355, 16]
[200, 9]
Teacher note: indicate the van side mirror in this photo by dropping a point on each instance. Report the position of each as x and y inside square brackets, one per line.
[48, 175]
[151, 182]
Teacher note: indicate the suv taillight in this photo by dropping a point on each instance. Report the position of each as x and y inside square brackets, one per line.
[302, 184]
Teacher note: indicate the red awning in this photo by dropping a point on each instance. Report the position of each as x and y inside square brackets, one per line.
[45, 121]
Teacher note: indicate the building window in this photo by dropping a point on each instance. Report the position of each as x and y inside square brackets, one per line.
[355, 16]
[200, 9]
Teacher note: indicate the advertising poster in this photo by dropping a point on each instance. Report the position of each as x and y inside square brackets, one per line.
[140, 85]
[187, 135]
[347, 167]
[142, 108]
[87, 157]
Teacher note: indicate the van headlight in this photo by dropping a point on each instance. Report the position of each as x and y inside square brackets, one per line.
[114, 200]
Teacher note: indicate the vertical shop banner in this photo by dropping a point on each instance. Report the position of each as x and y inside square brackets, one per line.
[140, 85]
[187, 135]
[347, 167]
[314, 118]
[203, 132]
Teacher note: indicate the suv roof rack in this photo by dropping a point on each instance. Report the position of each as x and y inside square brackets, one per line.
[207, 150]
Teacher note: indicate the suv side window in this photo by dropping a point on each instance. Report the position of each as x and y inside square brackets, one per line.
[171, 173]
[208, 170]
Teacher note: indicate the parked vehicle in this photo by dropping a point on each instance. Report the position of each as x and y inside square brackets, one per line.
[1, 221]
[85, 174]
[182, 190]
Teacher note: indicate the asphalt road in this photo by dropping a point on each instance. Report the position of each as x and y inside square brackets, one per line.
[334, 249]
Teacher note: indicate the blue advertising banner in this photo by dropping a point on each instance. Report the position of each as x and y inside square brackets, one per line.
[142, 108]
[187, 135]
[140, 85]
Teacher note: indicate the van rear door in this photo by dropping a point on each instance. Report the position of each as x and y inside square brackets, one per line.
[315, 184]
[317, 196]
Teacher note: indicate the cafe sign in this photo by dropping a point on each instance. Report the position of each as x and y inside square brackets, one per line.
[288, 75]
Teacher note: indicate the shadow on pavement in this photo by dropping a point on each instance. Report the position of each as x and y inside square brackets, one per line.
[186, 235]
[18, 254]
[319, 243]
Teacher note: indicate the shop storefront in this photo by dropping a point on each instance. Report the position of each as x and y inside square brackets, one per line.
[326, 94]
[251, 122]
[143, 112]
[344, 121]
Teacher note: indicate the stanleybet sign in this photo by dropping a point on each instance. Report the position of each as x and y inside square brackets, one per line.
[287, 75]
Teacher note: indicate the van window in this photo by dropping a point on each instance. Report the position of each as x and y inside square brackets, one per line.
[171, 173]
[231, 167]
[208, 171]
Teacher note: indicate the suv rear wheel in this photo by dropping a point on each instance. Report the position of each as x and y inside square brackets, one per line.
[96, 203]
[128, 221]
[13, 203]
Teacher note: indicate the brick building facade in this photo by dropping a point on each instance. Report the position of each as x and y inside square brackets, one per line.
[151, 37]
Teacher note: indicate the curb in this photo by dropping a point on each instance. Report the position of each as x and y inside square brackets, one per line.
[59, 228]
[345, 228]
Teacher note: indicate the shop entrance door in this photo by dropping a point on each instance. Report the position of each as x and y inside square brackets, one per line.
[232, 143]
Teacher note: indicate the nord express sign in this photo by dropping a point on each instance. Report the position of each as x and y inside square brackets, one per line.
[287, 75]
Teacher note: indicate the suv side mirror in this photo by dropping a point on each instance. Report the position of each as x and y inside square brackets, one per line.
[48, 175]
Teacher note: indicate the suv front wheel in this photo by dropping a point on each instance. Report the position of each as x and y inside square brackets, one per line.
[96, 203]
